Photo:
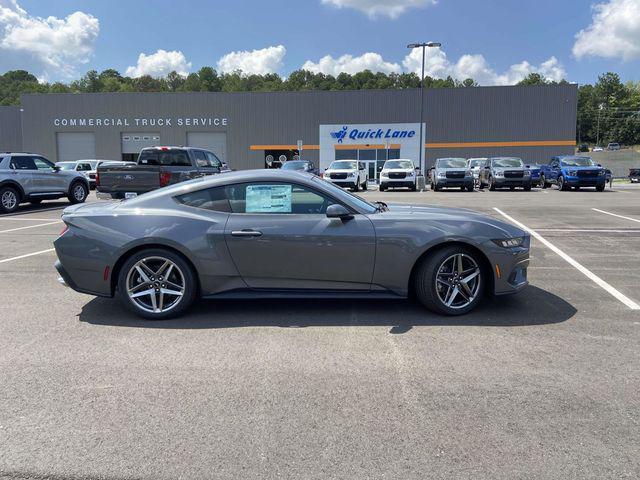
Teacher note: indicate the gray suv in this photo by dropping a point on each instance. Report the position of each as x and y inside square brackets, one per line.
[28, 177]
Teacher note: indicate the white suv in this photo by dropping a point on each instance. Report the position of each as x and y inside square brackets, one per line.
[398, 173]
[347, 173]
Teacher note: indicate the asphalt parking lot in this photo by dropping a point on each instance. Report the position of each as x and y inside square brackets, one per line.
[539, 385]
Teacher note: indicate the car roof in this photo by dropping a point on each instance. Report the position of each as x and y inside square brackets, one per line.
[562, 157]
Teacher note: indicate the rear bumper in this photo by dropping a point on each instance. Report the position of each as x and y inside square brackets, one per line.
[67, 281]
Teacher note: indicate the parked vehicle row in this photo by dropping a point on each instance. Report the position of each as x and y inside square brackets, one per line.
[88, 168]
[27, 177]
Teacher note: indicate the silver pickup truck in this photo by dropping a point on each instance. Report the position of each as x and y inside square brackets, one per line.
[156, 167]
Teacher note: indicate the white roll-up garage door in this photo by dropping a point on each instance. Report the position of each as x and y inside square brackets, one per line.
[75, 146]
[214, 141]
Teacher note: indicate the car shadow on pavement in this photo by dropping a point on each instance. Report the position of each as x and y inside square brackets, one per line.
[533, 306]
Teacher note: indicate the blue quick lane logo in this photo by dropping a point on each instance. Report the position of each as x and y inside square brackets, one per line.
[340, 134]
[355, 134]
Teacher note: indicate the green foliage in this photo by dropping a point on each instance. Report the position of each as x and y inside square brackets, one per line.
[607, 111]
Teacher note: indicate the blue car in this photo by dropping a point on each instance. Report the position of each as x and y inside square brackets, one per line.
[572, 171]
[535, 174]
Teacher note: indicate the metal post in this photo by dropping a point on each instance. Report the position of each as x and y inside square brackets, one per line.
[422, 111]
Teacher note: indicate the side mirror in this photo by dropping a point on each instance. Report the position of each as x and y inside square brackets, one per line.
[56, 168]
[338, 211]
[527, 166]
[600, 165]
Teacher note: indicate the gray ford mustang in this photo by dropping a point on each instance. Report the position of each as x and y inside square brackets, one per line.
[274, 233]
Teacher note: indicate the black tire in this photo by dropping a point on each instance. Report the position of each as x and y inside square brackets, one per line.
[600, 188]
[365, 185]
[527, 187]
[425, 281]
[382, 188]
[561, 185]
[413, 188]
[470, 188]
[74, 195]
[190, 284]
[492, 185]
[435, 188]
[512, 188]
[543, 183]
[356, 187]
[9, 199]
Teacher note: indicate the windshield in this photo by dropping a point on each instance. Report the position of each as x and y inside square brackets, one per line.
[451, 163]
[294, 165]
[66, 166]
[476, 163]
[398, 164]
[507, 162]
[359, 201]
[577, 162]
[344, 165]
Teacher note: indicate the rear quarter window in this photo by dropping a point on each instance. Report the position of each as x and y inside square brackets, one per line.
[214, 199]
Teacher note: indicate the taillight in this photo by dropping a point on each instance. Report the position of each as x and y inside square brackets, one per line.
[165, 178]
[64, 229]
[97, 177]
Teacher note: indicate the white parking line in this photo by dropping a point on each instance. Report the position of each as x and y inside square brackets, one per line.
[30, 226]
[588, 273]
[616, 215]
[590, 230]
[26, 255]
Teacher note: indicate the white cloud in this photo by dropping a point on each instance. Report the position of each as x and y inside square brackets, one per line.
[437, 65]
[52, 47]
[159, 64]
[376, 8]
[265, 60]
[350, 64]
[614, 31]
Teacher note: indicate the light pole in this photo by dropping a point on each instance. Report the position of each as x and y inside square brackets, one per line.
[423, 46]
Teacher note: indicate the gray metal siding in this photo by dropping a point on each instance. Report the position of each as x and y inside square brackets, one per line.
[10, 129]
[478, 114]
[75, 146]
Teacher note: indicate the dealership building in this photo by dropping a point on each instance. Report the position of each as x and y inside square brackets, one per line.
[250, 129]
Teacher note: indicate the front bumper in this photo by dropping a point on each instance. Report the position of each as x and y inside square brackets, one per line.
[512, 182]
[585, 182]
[398, 182]
[454, 182]
[348, 182]
[509, 267]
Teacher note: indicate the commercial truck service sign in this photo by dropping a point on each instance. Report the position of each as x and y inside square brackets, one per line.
[141, 122]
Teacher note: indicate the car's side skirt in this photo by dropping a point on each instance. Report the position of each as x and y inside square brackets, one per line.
[241, 294]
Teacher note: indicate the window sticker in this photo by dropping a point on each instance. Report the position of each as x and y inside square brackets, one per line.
[268, 199]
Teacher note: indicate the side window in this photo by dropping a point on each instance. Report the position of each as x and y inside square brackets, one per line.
[83, 167]
[201, 158]
[213, 160]
[176, 158]
[276, 198]
[43, 164]
[23, 163]
[210, 199]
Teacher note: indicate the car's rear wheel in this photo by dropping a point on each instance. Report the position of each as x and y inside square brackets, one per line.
[9, 199]
[78, 192]
[157, 284]
[492, 185]
[543, 182]
[450, 281]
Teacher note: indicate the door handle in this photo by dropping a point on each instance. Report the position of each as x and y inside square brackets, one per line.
[246, 233]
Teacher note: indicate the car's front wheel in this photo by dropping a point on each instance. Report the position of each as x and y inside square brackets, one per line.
[9, 199]
[78, 192]
[450, 281]
[157, 284]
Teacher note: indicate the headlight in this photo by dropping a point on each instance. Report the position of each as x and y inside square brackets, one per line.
[410, 174]
[442, 174]
[384, 174]
[499, 173]
[527, 173]
[572, 173]
[601, 173]
[352, 174]
[509, 242]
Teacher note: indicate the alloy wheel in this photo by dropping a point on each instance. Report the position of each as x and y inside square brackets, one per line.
[9, 200]
[155, 284]
[458, 281]
[78, 193]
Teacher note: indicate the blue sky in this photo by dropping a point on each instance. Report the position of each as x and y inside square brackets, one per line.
[489, 40]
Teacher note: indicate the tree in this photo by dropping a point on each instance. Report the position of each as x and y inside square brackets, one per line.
[209, 80]
[533, 79]
[175, 81]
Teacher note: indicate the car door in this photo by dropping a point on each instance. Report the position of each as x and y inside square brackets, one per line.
[46, 177]
[23, 168]
[279, 237]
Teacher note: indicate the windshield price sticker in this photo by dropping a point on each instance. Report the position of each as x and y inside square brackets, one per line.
[268, 199]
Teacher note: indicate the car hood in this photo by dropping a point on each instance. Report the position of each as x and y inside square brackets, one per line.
[440, 216]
